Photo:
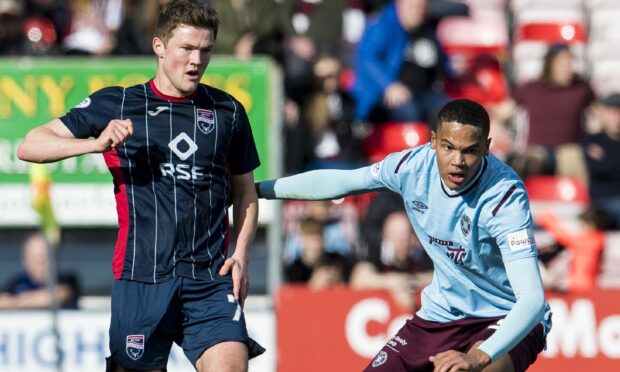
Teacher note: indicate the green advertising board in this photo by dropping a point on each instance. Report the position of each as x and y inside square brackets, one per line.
[34, 91]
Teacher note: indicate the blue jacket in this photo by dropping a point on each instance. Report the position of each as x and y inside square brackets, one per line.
[379, 59]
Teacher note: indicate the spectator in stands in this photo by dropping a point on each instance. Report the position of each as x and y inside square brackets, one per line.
[555, 104]
[324, 138]
[339, 222]
[585, 246]
[400, 66]
[371, 231]
[12, 38]
[602, 153]
[403, 265]
[315, 266]
[313, 28]
[28, 290]
[93, 27]
[54, 16]
[137, 27]
[250, 27]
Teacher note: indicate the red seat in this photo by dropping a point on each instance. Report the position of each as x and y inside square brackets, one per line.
[567, 33]
[471, 37]
[557, 189]
[483, 82]
[392, 137]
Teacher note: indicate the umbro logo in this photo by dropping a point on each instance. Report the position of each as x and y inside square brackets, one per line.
[158, 110]
[418, 206]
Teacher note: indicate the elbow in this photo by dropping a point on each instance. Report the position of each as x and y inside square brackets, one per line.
[23, 153]
[26, 153]
[537, 305]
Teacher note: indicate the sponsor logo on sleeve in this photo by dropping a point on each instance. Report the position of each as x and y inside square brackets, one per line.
[85, 103]
[520, 240]
[135, 346]
[375, 170]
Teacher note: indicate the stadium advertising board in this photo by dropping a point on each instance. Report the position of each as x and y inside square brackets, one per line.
[349, 328]
[33, 91]
[27, 342]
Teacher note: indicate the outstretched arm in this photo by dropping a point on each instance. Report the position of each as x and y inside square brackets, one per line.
[54, 141]
[528, 311]
[321, 184]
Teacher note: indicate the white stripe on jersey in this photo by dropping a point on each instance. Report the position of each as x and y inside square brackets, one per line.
[174, 188]
[148, 160]
[211, 178]
[223, 232]
[133, 204]
[195, 200]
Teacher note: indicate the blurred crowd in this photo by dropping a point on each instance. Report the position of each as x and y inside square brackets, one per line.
[356, 69]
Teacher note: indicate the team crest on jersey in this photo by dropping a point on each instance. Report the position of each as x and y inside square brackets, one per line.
[418, 206]
[85, 103]
[135, 346]
[380, 359]
[205, 121]
[465, 224]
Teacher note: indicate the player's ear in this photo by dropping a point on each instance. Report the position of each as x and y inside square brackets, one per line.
[488, 146]
[158, 47]
[433, 139]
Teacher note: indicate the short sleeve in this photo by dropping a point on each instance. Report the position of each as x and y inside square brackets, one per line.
[510, 222]
[242, 153]
[388, 173]
[91, 116]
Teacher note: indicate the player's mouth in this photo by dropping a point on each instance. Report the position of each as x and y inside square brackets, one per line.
[456, 178]
[193, 75]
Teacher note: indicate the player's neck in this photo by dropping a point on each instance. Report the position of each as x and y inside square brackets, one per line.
[165, 93]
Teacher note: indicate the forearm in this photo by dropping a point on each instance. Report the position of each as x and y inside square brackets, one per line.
[42, 145]
[37, 299]
[245, 217]
[322, 184]
[525, 314]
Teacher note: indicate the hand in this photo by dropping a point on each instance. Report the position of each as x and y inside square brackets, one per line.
[117, 132]
[396, 94]
[454, 361]
[238, 269]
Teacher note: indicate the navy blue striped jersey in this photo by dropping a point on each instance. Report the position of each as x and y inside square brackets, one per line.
[172, 177]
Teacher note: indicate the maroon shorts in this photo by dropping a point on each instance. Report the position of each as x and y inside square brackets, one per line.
[419, 339]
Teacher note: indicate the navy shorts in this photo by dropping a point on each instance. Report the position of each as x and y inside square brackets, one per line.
[419, 339]
[147, 318]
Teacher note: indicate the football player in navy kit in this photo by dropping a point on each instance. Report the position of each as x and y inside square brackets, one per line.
[179, 152]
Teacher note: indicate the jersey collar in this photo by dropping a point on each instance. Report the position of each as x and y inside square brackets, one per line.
[170, 98]
[466, 188]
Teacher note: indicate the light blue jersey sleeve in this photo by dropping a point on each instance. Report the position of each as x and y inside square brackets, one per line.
[527, 312]
[509, 222]
[326, 184]
[321, 184]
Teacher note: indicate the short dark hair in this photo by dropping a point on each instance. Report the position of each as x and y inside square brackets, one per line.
[465, 111]
[185, 12]
[598, 217]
